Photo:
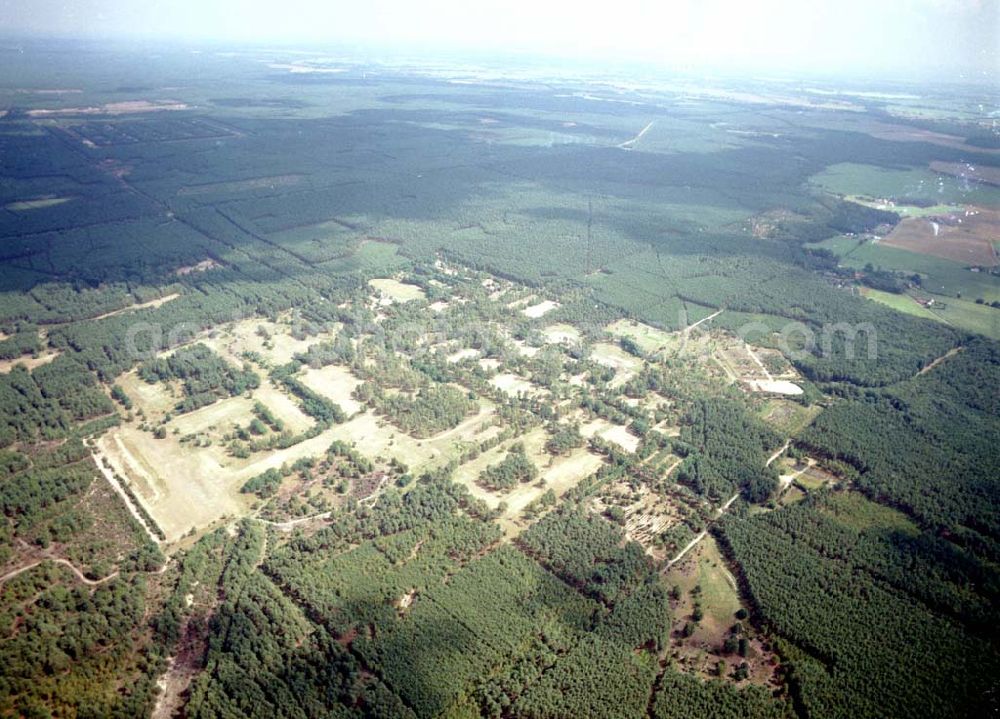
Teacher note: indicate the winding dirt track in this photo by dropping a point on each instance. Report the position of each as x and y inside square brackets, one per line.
[65, 563]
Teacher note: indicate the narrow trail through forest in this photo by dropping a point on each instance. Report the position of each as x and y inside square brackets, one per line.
[719, 512]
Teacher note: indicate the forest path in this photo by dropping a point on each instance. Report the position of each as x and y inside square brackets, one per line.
[780, 452]
[720, 511]
[630, 144]
[715, 314]
[290, 524]
[950, 353]
[120, 491]
[58, 560]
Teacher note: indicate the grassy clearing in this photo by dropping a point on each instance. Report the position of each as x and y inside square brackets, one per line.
[951, 311]
[793, 495]
[813, 479]
[940, 276]
[851, 179]
[703, 577]
[905, 210]
[788, 417]
[902, 302]
[856, 511]
[969, 315]
[648, 338]
[840, 245]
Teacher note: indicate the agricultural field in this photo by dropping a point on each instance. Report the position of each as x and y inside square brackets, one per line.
[335, 387]
[969, 242]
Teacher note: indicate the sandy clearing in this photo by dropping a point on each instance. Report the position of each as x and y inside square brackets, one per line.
[630, 144]
[566, 472]
[222, 415]
[622, 437]
[536, 311]
[561, 334]
[396, 291]
[439, 306]
[513, 385]
[306, 69]
[243, 336]
[336, 383]
[153, 399]
[114, 108]
[562, 475]
[139, 306]
[774, 386]
[462, 354]
[184, 487]
[524, 349]
[614, 357]
[109, 475]
[255, 183]
[934, 363]
[29, 362]
[284, 407]
[37, 204]
[490, 364]
[203, 266]
[611, 432]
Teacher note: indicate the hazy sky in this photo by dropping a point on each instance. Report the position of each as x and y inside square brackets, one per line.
[785, 35]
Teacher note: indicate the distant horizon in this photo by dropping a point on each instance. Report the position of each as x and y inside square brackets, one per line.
[522, 59]
[850, 38]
